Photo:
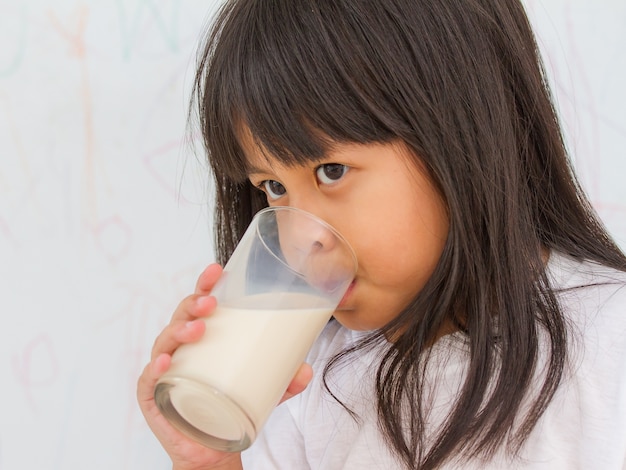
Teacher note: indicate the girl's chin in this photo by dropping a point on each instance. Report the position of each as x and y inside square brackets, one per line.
[353, 318]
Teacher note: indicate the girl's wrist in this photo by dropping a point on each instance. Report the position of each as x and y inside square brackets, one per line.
[229, 464]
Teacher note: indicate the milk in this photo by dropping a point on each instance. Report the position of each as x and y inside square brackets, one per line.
[249, 355]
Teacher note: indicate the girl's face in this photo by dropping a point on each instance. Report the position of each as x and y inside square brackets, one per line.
[387, 209]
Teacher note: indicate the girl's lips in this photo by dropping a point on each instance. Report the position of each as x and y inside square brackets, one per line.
[345, 297]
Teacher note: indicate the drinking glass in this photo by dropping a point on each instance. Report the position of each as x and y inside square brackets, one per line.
[278, 290]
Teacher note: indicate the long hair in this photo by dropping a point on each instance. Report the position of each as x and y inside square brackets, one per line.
[460, 82]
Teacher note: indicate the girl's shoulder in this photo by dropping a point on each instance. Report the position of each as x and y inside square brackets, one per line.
[567, 273]
[333, 339]
[590, 293]
[585, 424]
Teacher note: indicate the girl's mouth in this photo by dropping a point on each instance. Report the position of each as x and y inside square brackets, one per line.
[346, 296]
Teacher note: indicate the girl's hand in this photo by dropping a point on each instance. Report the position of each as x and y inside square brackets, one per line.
[186, 327]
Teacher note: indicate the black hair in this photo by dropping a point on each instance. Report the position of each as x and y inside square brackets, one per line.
[461, 83]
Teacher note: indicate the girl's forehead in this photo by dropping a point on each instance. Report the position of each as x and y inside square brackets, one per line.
[271, 152]
[254, 154]
[257, 163]
[256, 157]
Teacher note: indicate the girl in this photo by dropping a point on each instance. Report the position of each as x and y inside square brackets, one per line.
[486, 325]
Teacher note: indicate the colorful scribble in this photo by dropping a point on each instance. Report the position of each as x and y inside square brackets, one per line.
[76, 40]
[132, 22]
[113, 236]
[36, 366]
[19, 23]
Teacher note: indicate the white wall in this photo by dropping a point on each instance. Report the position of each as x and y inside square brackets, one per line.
[104, 222]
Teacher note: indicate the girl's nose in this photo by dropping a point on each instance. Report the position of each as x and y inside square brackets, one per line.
[307, 235]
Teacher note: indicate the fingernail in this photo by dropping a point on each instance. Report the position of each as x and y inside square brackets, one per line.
[202, 302]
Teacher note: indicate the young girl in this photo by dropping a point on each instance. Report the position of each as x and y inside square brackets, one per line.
[486, 326]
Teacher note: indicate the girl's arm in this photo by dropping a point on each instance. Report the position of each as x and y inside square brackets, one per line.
[185, 327]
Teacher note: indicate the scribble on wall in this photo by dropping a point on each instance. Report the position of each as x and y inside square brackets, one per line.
[104, 218]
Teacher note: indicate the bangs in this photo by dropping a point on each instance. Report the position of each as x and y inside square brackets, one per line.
[295, 98]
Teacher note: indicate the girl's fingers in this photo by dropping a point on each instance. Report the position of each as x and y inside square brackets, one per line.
[208, 278]
[176, 334]
[183, 452]
[151, 373]
[185, 326]
[299, 382]
[147, 382]
[192, 307]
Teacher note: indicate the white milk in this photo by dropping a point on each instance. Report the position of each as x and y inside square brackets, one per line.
[249, 355]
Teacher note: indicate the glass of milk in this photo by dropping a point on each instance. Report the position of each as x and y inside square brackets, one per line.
[278, 290]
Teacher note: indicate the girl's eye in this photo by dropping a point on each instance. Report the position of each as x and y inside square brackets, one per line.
[273, 189]
[330, 173]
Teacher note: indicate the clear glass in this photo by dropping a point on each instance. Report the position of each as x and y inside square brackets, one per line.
[278, 290]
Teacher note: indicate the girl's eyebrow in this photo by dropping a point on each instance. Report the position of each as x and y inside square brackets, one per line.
[252, 169]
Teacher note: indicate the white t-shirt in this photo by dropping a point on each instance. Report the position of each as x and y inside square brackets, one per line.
[584, 427]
